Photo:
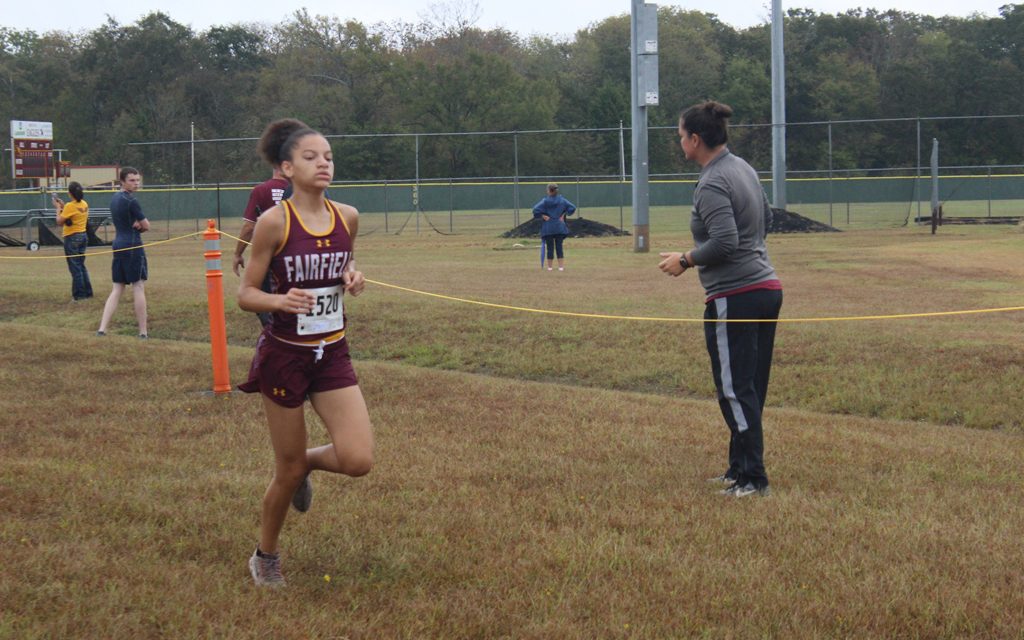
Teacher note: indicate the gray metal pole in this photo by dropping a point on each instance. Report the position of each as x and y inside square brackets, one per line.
[989, 182]
[830, 174]
[778, 109]
[622, 170]
[192, 126]
[917, 180]
[416, 189]
[515, 184]
[936, 215]
[641, 188]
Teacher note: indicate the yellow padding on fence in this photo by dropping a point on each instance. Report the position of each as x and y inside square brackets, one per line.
[100, 253]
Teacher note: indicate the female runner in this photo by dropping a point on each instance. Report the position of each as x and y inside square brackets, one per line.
[306, 243]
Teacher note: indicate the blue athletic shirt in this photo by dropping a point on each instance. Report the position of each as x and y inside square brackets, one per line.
[125, 211]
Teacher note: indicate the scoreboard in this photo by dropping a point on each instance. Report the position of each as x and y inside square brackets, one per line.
[32, 150]
[33, 158]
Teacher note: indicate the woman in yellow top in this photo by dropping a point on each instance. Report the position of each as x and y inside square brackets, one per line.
[73, 217]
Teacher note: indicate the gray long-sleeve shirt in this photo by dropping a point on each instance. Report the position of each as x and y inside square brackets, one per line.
[729, 221]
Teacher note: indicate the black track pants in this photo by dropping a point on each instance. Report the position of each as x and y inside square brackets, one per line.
[741, 361]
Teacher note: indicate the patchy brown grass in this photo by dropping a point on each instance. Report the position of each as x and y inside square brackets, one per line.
[546, 498]
[499, 508]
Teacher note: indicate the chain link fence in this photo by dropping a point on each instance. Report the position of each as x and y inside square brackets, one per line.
[854, 173]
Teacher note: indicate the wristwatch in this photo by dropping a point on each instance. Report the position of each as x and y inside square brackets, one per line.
[683, 263]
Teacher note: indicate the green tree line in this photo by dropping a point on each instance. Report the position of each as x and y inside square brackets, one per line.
[153, 80]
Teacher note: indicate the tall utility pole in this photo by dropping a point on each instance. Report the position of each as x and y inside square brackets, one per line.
[778, 109]
[643, 25]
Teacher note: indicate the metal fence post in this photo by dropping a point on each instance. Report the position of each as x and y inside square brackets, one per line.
[515, 179]
[416, 189]
[622, 172]
[988, 181]
[917, 179]
[830, 173]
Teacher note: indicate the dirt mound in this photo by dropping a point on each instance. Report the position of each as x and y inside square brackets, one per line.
[782, 222]
[578, 228]
[788, 222]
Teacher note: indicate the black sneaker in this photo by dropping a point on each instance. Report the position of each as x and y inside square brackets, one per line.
[303, 496]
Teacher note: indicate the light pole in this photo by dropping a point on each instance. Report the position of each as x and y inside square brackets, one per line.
[778, 109]
[644, 92]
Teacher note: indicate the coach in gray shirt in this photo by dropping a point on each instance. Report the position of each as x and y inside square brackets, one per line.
[729, 222]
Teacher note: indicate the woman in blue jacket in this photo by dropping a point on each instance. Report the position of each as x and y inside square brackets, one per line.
[553, 209]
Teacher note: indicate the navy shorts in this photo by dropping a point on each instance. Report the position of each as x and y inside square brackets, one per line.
[288, 373]
[129, 267]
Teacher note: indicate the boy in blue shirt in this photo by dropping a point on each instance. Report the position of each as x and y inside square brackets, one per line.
[129, 263]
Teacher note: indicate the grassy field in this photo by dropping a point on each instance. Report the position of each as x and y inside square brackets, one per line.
[539, 476]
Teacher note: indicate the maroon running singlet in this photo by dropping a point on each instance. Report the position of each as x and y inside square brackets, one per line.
[300, 354]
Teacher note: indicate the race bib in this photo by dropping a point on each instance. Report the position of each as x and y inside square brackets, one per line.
[327, 314]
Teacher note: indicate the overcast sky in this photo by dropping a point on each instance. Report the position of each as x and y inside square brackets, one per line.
[525, 17]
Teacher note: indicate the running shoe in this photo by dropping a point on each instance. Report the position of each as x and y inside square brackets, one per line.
[266, 570]
[303, 496]
[749, 489]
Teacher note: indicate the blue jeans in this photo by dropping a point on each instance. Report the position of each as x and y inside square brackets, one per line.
[554, 246]
[74, 249]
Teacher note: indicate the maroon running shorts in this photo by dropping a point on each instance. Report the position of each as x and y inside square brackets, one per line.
[288, 373]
